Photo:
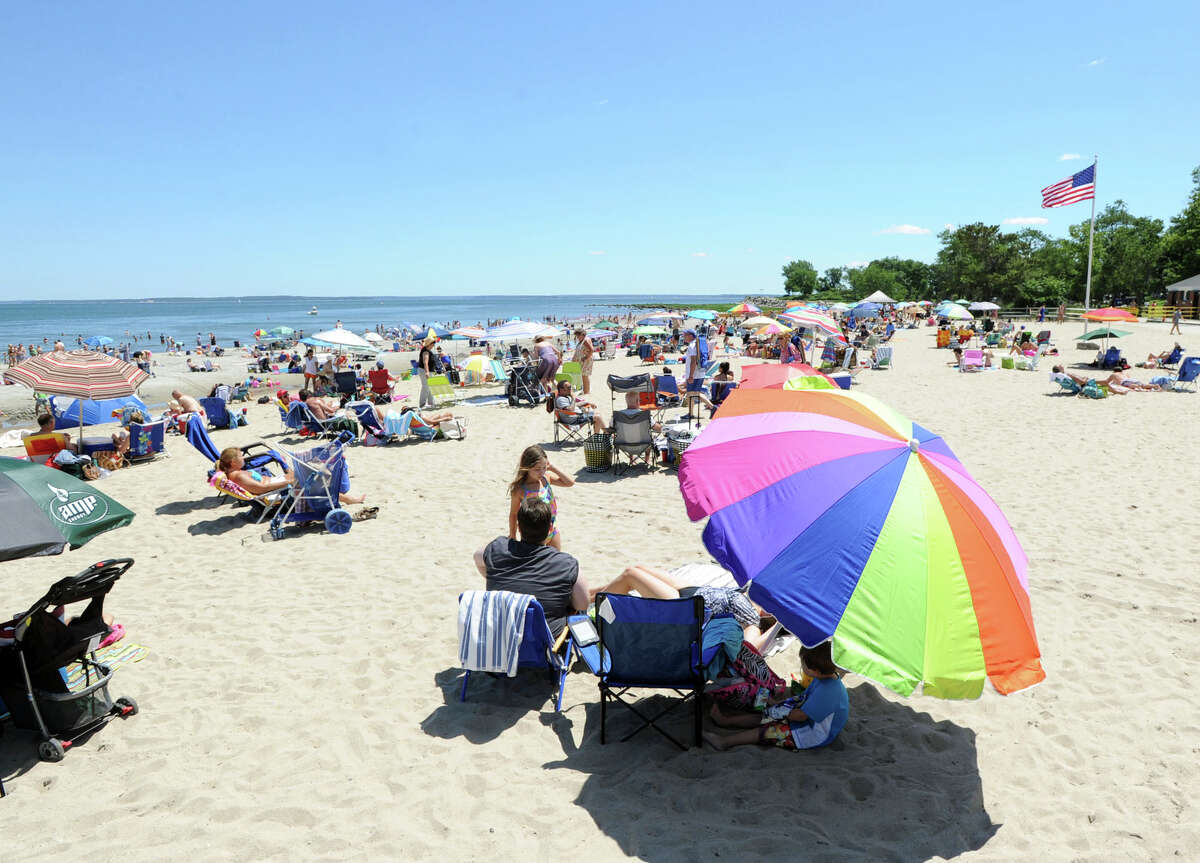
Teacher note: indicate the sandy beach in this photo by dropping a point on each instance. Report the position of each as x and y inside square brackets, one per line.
[300, 697]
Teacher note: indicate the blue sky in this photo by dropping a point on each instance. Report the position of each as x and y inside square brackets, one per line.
[440, 148]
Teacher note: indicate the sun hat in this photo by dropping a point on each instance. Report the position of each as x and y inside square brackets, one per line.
[429, 339]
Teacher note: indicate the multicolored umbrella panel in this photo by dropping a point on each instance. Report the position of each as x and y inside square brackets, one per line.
[43, 510]
[784, 375]
[83, 374]
[774, 328]
[808, 319]
[1109, 314]
[853, 523]
[744, 309]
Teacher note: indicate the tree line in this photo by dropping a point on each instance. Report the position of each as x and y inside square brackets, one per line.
[1134, 259]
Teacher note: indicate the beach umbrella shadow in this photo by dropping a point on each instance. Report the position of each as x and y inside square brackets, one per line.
[896, 785]
[493, 705]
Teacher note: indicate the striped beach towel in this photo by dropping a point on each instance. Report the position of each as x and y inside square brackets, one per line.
[491, 624]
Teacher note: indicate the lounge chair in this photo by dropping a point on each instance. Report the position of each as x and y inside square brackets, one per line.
[1189, 372]
[1042, 338]
[197, 436]
[972, 360]
[262, 503]
[648, 644]
[1069, 386]
[146, 440]
[442, 391]
[496, 636]
[44, 447]
[365, 411]
[1111, 358]
[632, 437]
[301, 416]
[1172, 358]
[573, 372]
[882, 358]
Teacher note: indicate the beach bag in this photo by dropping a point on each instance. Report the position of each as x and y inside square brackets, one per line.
[1093, 391]
[109, 460]
[454, 429]
[597, 452]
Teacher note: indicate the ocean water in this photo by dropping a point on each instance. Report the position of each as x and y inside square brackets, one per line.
[238, 317]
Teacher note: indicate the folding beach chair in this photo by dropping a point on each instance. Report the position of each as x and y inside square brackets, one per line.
[443, 393]
[1069, 387]
[972, 360]
[1173, 358]
[491, 625]
[365, 411]
[300, 413]
[666, 392]
[573, 372]
[1189, 372]
[570, 425]
[632, 437]
[197, 435]
[883, 357]
[648, 644]
[261, 503]
[146, 440]
[640, 384]
[44, 447]
[1042, 338]
[217, 412]
[721, 391]
[346, 383]
[1112, 358]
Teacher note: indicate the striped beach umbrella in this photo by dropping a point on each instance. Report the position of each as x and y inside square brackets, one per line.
[852, 523]
[744, 309]
[83, 374]
[1109, 314]
[809, 319]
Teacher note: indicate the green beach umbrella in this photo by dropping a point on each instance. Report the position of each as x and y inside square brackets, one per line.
[650, 331]
[607, 325]
[1103, 333]
[281, 331]
[43, 510]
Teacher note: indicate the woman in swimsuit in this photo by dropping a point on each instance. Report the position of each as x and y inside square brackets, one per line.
[536, 477]
[234, 465]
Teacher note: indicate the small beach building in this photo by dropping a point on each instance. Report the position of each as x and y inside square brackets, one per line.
[1186, 295]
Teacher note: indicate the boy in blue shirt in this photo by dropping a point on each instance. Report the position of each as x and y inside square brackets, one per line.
[805, 721]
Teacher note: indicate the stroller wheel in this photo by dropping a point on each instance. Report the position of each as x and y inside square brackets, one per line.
[126, 706]
[338, 521]
[51, 750]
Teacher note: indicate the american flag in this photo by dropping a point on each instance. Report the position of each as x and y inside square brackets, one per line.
[1077, 187]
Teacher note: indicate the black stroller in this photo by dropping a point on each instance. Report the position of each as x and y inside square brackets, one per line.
[522, 385]
[33, 681]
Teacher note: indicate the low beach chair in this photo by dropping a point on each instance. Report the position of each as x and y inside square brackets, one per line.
[346, 383]
[573, 372]
[882, 358]
[44, 447]
[633, 438]
[262, 503]
[666, 392]
[217, 412]
[570, 426]
[197, 435]
[1069, 387]
[1189, 372]
[299, 411]
[442, 391]
[146, 440]
[365, 411]
[500, 632]
[1042, 338]
[972, 361]
[721, 391]
[648, 644]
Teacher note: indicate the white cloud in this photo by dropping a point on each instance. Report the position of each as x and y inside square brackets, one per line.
[602, 102]
[904, 229]
[1066, 157]
[1025, 220]
[699, 254]
[854, 265]
[598, 252]
[1097, 62]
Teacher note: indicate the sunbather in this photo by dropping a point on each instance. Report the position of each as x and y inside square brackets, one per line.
[658, 584]
[1022, 345]
[233, 463]
[120, 437]
[812, 718]
[328, 412]
[1155, 361]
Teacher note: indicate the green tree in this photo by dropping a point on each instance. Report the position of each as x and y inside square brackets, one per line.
[831, 281]
[799, 277]
[912, 277]
[979, 262]
[874, 277]
[1181, 245]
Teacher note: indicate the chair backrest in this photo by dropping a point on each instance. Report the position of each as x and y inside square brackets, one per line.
[1069, 385]
[632, 384]
[48, 443]
[366, 416]
[645, 351]
[1112, 356]
[1043, 337]
[848, 360]
[346, 382]
[146, 439]
[667, 385]
[883, 355]
[1174, 356]
[208, 366]
[215, 410]
[226, 486]
[379, 381]
[972, 358]
[419, 427]
[197, 436]
[631, 428]
[650, 641]
[222, 392]
[1189, 371]
[297, 415]
[721, 390]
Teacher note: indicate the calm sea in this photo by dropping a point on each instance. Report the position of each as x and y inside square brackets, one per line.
[238, 317]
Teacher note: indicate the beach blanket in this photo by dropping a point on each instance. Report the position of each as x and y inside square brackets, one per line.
[114, 656]
[491, 625]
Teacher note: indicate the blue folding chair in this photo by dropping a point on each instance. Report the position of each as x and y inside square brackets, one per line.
[666, 391]
[1189, 371]
[648, 644]
[217, 412]
[197, 436]
[1173, 358]
[301, 416]
[537, 643]
[721, 391]
[1112, 358]
[146, 440]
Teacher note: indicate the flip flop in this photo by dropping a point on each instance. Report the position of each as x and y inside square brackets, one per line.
[366, 512]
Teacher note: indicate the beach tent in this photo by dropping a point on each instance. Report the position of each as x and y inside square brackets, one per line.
[95, 412]
[878, 297]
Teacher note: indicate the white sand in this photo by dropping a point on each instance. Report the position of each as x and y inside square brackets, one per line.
[301, 697]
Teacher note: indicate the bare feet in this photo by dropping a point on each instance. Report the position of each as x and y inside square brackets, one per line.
[352, 498]
[716, 741]
[717, 716]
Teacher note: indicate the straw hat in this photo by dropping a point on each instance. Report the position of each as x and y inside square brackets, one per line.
[429, 339]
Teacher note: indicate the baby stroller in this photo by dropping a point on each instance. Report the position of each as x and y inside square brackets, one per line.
[522, 385]
[33, 668]
[314, 497]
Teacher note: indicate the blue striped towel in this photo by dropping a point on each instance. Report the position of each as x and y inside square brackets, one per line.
[491, 624]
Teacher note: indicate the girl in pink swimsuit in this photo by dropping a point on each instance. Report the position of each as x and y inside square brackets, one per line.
[536, 477]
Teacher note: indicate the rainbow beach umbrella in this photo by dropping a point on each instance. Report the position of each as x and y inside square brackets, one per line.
[744, 309]
[851, 522]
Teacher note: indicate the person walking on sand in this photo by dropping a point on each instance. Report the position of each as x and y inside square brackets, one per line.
[1062, 313]
[584, 355]
[1175, 318]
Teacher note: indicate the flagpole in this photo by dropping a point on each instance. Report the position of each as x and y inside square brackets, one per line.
[1087, 296]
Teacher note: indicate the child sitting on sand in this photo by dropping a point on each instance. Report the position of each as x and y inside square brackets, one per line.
[810, 719]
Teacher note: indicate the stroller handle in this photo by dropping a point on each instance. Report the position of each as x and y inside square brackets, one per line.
[94, 581]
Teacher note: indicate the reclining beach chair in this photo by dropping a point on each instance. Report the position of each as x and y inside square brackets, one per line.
[1112, 358]
[500, 632]
[1042, 338]
[666, 393]
[883, 357]
[442, 391]
[1173, 358]
[217, 412]
[315, 494]
[197, 435]
[972, 361]
[648, 644]
[633, 438]
[721, 391]
[1189, 372]
[573, 372]
[300, 413]
[146, 440]
[261, 503]
[365, 412]
[1069, 386]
